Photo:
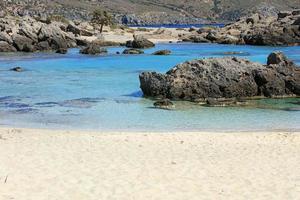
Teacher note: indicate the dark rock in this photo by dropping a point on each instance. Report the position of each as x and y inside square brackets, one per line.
[276, 58]
[224, 78]
[283, 14]
[62, 51]
[81, 42]
[140, 42]
[162, 52]
[164, 104]
[73, 28]
[296, 12]
[5, 47]
[133, 51]
[17, 69]
[297, 22]
[198, 39]
[93, 49]
[129, 44]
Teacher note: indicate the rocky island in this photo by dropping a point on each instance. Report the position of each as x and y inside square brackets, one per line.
[224, 78]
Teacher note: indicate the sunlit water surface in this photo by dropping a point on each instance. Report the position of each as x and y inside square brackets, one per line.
[76, 91]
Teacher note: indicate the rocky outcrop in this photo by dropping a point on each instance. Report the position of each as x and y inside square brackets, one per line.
[228, 77]
[257, 29]
[139, 42]
[28, 34]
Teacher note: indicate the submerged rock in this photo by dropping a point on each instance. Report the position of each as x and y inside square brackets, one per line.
[162, 52]
[17, 69]
[164, 104]
[227, 78]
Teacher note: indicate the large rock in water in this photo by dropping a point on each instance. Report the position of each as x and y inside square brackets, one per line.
[93, 49]
[227, 77]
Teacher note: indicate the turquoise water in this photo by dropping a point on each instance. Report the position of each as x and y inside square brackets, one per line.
[76, 91]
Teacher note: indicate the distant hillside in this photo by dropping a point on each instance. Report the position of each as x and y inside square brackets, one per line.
[152, 11]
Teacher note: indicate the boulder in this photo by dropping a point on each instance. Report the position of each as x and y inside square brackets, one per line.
[5, 47]
[23, 43]
[58, 43]
[133, 51]
[224, 78]
[73, 28]
[198, 39]
[164, 104]
[140, 42]
[93, 49]
[276, 58]
[162, 52]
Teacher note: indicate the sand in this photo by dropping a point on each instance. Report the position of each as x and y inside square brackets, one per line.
[156, 35]
[73, 165]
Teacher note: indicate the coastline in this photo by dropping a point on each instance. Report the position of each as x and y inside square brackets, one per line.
[58, 164]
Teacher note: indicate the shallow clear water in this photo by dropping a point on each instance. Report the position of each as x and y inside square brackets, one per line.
[76, 91]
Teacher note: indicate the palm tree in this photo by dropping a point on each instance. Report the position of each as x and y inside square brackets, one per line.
[101, 17]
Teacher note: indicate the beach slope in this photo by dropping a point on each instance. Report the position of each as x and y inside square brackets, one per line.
[65, 165]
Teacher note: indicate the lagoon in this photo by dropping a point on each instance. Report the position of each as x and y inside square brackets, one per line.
[75, 91]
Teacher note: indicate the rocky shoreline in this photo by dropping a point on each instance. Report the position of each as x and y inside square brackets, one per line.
[283, 29]
[219, 79]
[28, 34]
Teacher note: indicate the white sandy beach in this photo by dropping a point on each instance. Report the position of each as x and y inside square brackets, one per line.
[73, 165]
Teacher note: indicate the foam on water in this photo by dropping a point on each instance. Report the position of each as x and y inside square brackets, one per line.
[76, 91]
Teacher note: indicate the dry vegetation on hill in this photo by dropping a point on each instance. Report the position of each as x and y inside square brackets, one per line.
[154, 10]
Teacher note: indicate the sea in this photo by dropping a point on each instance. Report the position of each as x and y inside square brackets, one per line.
[102, 93]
